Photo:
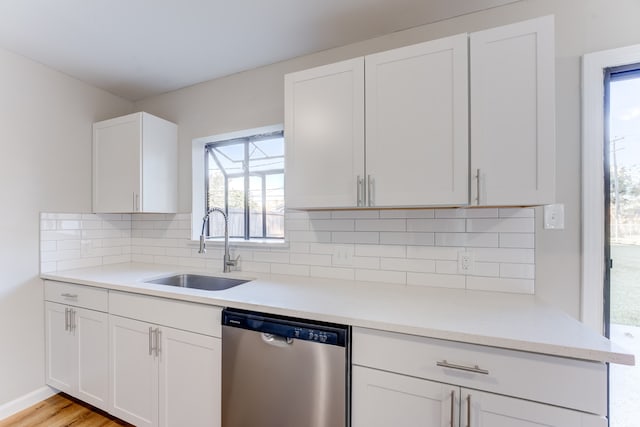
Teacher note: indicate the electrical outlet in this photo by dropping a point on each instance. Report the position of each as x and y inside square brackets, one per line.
[343, 255]
[465, 262]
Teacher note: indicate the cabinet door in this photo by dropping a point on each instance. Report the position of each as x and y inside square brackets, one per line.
[189, 362]
[382, 399]
[324, 135]
[116, 164]
[60, 348]
[134, 372]
[513, 114]
[417, 138]
[92, 337]
[480, 409]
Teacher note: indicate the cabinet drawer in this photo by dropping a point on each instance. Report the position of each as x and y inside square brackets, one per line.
[76, 295]
[189, 316]
[559, 381]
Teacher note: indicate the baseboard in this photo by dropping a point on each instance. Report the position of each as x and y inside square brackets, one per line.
[23, 402]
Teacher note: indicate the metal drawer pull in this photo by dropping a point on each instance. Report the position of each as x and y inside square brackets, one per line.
[66, 319]
[475, 369]
[359, 184]
[150, 341]
[72, 319]
[158, 340]
[468, 410]
[453, 393]
[67, 295]
[478, 186]
[370, 201]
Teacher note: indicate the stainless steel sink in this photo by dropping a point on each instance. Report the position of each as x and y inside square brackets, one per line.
[196, 281]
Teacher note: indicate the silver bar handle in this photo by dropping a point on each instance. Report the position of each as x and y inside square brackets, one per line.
[72, 319]
[66, 319]
[68, 295]
[137, 203]
[150, 341]
[468, 410]
[370, 201]
[453, 393]
[359, 183]
[478, 186]
[158, 339]
[475, 369]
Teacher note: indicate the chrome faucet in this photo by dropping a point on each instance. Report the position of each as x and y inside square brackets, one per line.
[227, 261]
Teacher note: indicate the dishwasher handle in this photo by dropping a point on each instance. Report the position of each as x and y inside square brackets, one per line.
[276, 340]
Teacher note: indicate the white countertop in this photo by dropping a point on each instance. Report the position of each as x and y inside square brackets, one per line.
[517, 322]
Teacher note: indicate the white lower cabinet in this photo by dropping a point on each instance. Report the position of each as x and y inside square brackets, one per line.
[163, 376]
[408, 381]
[77, 342]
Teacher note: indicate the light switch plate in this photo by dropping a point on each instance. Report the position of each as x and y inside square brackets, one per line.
[554, 217]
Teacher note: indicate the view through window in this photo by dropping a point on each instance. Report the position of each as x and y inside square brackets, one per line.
[624, 240]
[245, 177]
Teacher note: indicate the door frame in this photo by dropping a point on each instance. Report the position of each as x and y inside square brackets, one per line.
[593, 203]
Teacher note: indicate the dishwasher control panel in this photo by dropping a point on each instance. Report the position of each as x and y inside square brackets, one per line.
[286, 327]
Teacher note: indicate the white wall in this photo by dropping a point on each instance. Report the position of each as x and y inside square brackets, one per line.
[45, 164]
[255, 98]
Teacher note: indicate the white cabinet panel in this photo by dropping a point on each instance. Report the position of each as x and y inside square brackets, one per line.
[134, 372]
[513, 114]
[77, 352]
[382, 399]
[189, 362]
[324, 135]
[135, 164]
[60, 345]
[417, 138]
[491, 410]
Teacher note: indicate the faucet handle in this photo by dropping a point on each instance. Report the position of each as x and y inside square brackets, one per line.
[233, 261]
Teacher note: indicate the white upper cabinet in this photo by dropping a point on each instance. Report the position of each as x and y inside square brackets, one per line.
[513, 114]
[416, 141]
[324, 131]
[417, 138]
[135, 165]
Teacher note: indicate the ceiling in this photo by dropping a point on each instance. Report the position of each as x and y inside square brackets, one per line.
[140, 48]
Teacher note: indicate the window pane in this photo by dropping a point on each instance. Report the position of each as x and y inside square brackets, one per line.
[236, 207]
[255, 206]
[266, 155]
[275, 205]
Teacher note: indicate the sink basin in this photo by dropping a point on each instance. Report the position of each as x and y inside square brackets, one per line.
[196, 281]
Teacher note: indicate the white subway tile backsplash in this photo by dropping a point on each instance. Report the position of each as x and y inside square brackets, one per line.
[406, 264]
[381, 225]
[394, 238]
[467, 240]
[435, 225]
[504, 225]
[401, 246]
[389, 251]
[355, 237]
[517, 240]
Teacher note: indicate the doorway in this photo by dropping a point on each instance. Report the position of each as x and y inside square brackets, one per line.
[622, 235]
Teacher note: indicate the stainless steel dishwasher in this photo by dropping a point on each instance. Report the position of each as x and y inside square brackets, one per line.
[284, 372]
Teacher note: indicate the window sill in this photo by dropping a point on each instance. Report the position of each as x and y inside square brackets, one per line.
[255, 243]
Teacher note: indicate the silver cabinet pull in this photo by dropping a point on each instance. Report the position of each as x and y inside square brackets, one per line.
[150, 341]
[453, 393]
[137, 203]
[370, 200]
[478, 186]
[359, 184]
[468, 410]
[158, 340]
[68, 295]
[66, 319]
[72, 319]
[475, 369]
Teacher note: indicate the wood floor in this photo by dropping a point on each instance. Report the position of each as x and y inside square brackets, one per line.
[61, 410]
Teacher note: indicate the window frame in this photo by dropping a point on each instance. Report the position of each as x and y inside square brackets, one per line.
[199, 190]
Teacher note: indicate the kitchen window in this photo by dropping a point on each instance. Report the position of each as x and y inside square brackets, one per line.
[243, 174]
